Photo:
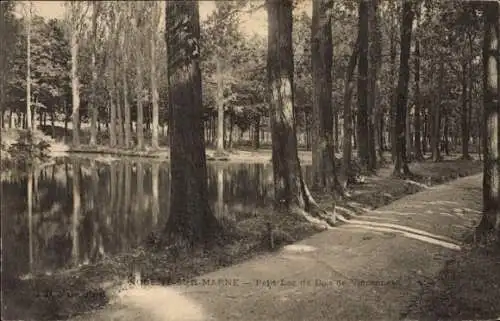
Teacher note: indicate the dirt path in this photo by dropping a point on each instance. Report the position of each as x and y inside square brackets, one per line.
[368, 269]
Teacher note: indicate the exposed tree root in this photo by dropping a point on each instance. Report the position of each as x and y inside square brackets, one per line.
[403, 172]
[486, 232]
[317, 222]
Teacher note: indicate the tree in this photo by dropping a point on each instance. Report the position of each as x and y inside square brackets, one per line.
[125, 71]
[348, 130]
[28, 74]
[363, 108]
[190, 217]
[113, 24]
[222, 48]
[77, 12]
[491, 96]
[323, 157]
[291, 193]
[418, 101]
[96, 6]
[154, 79]
[139, 23]
[401, 166]
[374, 113]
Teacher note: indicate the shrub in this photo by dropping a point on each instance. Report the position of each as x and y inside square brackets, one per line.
[26, 151]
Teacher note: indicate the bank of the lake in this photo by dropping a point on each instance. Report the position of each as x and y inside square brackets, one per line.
[65, 292]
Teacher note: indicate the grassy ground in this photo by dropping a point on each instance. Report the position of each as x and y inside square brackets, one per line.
[76, 291]
[468, 288]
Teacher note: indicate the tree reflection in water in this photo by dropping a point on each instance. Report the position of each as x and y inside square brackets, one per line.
[77, 211]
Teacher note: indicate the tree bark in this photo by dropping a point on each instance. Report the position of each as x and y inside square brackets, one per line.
[401, 166]
[139, 81]
[28, 73]
[75, 88]
[93, 99]
[154, 89]
[256, 134]
[220, 107]
[362, 126]
[374, 53]
[53, 123]
[419, 156]
[436, 117]
[288, 183]
[348, 122]
[290, 192]
[230, 133]
[323, 151]
[408, 133]
[393, 97]
[491, 95]
[112, 106]
[139, 106]
[119, 110]
[446, 131]
[465, 115]
[190, 221]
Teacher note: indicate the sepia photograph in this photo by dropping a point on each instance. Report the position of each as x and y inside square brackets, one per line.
[250, 160]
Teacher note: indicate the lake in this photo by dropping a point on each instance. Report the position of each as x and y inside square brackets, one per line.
[78, 211]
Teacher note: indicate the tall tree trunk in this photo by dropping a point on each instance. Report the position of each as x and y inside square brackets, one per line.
[374, 53]
[139, 106]
[362, 125]
[112, 106]
[419, 156]
[465, 115]
[491, 142]
[220, 108]
[4, 61]
[323, 151]
[93, 99]
[230, 134]
[53, 123]
[191, 220]
[256, 134]
[66, 120]
[446, 131]
[348, 115]
[401, 166]
[154, 92]
[126, 104]
[139, 60]
[290, 192]
[75, 88]
[119, 113]
[28, 73]
[11, 125]
[436, 117]
[336, 142]
[408, 133]
[393, 96]
[470, 85]
[469, 100]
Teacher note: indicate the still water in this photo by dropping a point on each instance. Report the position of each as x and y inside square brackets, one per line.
[78, 211]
